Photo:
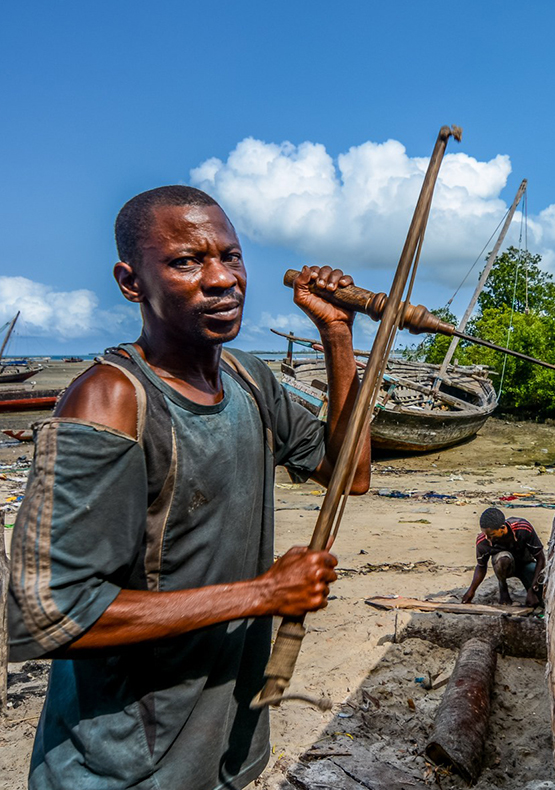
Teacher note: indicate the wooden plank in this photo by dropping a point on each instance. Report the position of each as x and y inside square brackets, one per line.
[445, 606]
[352, 773]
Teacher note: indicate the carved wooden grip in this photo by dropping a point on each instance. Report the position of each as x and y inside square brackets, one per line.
[416, 318]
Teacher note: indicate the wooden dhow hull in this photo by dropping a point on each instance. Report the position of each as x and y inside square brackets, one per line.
[28, 400]
[404, 422]
[18, 375]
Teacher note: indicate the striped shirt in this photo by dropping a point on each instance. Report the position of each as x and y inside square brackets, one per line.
[524, 544]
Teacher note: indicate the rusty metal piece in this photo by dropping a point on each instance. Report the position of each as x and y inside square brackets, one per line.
[416, 318]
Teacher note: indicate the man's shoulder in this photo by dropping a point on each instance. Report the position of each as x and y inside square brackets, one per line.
[102, 394]
[520, 525]
[480, 539]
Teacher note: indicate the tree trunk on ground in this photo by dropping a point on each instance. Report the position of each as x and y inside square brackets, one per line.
[462, 718]
[4, 576]
[550, 616]
[523, 637]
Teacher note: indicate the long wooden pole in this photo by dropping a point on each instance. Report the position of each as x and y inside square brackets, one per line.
[291, 632]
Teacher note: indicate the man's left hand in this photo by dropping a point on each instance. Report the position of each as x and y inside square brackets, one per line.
[318, 309]
[531, 598]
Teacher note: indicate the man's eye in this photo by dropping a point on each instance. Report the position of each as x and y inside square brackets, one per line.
[186, 261]
[234, 257]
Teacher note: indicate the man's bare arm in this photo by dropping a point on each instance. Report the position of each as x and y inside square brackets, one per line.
[335, 327]
[296, 583]
[477, 579]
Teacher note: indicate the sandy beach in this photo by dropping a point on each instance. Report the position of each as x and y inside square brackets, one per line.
[413, 534]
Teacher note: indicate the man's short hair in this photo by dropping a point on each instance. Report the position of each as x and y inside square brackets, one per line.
[134, 220]
[492, 518]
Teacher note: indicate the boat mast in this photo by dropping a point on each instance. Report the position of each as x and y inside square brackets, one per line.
[485, 274]
[8, 333]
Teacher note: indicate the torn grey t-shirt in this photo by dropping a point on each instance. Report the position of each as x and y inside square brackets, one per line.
[174, 714]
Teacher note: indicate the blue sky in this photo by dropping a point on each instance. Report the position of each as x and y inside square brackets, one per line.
[283, 111]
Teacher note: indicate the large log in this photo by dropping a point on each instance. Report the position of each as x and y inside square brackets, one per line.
[461, 721]
[523, 637]
[550, 618]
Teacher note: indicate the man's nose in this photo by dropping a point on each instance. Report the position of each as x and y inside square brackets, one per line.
[217, 275]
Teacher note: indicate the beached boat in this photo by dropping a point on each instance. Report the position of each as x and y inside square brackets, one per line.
[12, 371]
[411, 415]
[28, 400]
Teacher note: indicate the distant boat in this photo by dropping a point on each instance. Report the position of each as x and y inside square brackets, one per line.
[12, 371]
[28, 400]
[72, 359]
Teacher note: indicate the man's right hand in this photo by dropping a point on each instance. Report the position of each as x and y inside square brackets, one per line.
[298, 582]
[468, 596]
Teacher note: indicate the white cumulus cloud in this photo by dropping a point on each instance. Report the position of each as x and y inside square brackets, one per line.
[355, 211]
[61, 314]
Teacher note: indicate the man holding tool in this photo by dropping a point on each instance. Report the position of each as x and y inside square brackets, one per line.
[142, 555]
[515, 550]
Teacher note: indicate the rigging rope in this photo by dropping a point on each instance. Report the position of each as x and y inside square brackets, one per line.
[520, 258]
[469, 272]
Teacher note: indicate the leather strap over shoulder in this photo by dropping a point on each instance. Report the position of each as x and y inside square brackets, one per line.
[238, 372]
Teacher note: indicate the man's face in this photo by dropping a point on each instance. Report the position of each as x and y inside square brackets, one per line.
[498, 535]
[192, 277]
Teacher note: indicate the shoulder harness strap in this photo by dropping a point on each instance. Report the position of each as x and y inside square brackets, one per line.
[239, 373]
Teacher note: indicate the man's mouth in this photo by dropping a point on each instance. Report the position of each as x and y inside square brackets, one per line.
[226, 310]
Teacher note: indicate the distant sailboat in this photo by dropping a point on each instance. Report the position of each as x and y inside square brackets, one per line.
[17, 370]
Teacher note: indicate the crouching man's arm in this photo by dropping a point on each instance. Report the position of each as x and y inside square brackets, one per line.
[477, 579]
[532, 594]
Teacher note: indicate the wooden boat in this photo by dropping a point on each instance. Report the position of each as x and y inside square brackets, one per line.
[410, 416]
[24, 435]
[28, 400]
[17, 370]
[9, 375]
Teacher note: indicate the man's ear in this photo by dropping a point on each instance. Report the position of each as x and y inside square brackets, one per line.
[128, 281]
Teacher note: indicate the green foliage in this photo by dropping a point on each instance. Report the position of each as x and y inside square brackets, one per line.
[500, 286]
[528, 389]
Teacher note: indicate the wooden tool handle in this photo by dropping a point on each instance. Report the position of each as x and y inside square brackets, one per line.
[351, 296]
[416, 318]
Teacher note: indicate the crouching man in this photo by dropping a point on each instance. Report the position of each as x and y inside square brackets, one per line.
[515, 550]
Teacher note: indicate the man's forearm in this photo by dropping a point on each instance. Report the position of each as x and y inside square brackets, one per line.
[477, 579]
[343, 386]
[298, 582]
[142, 616]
